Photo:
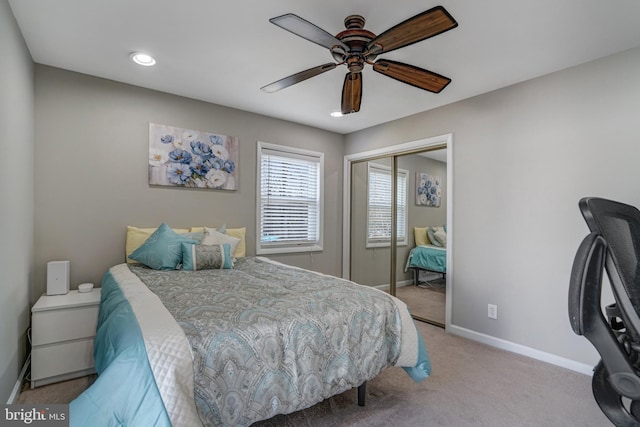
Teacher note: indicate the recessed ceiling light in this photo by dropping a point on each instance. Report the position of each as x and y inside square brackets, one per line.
[337, 114]
[144, 59]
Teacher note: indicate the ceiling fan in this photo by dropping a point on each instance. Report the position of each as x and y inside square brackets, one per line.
[355, 47]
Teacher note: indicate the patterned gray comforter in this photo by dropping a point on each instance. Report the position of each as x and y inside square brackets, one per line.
[269, 339]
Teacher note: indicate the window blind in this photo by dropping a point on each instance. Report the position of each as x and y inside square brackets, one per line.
[379, 205]
[290, 199]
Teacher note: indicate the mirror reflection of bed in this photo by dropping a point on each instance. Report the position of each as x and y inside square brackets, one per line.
[426, 295]
[370, 254]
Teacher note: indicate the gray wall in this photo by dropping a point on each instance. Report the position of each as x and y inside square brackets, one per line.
[16, 198]
[522, 158]
[371, 266]
[91, 172]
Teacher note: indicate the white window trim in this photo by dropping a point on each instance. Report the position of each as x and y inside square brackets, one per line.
[382, 243]
[288, 248]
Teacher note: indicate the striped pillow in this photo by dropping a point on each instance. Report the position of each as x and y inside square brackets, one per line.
[206, 257]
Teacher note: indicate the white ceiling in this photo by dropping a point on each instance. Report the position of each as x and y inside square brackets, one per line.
[223, 52]
[439, 155]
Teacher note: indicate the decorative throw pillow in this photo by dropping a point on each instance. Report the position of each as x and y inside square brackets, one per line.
[137, 236]
[203, 257]
[194, 235]
[222, 229]
[240, 233]
[441, 237]
[432, 238]
[420, 235]
[213, 237]
[162, 250]
[206, 257]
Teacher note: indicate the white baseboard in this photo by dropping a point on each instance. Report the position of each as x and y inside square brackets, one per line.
[521, 349]
[18, 386]
[400, 284]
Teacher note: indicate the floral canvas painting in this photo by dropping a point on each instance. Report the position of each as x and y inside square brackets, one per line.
[428, 192]
[188, 158]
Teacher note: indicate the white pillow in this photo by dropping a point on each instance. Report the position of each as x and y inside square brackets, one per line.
[441, 237]
[213, 237]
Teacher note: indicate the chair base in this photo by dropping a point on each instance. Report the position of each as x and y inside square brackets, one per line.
[610, 401]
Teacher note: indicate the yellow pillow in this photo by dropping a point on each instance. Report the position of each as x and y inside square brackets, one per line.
[240, 233]
[420, 234]
[137, 236]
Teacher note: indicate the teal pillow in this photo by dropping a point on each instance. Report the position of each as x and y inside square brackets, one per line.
[206, 257]
[162, 250]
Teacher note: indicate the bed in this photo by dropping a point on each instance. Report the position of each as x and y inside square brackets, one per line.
[429, 254]
[237, 345]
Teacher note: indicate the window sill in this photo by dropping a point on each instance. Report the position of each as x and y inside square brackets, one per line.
[383, 245]
[287, 249]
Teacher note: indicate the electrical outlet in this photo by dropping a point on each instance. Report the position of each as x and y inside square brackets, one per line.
[492, 311]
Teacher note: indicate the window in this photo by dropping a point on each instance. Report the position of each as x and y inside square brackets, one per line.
[290, 199]
[379, 206]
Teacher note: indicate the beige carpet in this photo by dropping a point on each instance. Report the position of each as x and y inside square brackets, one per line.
[471, 385]
[63, 392]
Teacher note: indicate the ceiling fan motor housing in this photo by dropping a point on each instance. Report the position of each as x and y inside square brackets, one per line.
[356, 38]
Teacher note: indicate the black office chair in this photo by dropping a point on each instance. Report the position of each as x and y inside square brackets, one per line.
[614, 246]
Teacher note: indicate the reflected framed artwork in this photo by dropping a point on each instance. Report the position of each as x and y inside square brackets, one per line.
[428, 190]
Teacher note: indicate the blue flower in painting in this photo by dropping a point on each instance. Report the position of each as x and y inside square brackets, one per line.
[199, 166]
[229, 166]
[200, 149]
[180, 156]
[216, 163]
[178, 173]
[167, 139]
[421, 190]
[216, 140]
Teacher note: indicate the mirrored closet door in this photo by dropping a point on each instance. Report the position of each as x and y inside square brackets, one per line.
[421, 257]
[371, 222]
[418, 210]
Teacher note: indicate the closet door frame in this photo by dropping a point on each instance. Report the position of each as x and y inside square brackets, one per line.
[436, 142]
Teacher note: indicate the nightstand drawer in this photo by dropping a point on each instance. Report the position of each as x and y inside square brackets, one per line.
[63, 325]
[58, 359]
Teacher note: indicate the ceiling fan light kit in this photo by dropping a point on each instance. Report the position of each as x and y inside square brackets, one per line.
[356, 47]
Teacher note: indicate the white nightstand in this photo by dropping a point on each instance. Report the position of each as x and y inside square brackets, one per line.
[62, 331]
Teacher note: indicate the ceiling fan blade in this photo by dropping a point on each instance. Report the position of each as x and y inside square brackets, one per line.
[307, 30]
[422, 26]
[351, 93]
[298, 77]
[411, 75]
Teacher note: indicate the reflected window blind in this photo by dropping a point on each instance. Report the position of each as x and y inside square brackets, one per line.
[289, 199]
[379, 204]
